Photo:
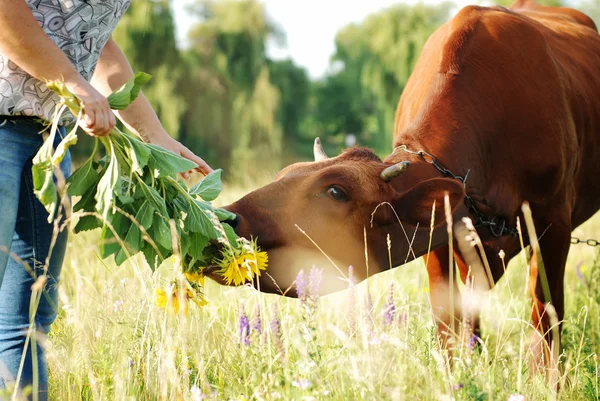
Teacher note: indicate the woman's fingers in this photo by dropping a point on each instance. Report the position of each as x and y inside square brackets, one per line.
[203, 167]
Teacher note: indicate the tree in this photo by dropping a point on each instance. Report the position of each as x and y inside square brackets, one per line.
[146, 34]
[294, 87]
[375, 58]
[232, 104]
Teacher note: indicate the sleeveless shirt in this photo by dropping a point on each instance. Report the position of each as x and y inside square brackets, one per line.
[81, 29]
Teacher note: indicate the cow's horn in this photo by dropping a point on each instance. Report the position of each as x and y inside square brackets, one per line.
[319, 151]
[394, 171]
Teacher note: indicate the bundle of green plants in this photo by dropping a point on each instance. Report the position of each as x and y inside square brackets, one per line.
[131, 190]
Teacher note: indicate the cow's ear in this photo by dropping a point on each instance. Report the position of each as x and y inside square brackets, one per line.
[416, 204]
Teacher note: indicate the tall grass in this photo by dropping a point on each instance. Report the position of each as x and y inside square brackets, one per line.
[111, 342]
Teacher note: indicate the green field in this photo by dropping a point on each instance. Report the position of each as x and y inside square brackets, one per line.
[111, 342]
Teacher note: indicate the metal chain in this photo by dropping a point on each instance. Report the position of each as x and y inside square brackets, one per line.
[496, 224]
[590, 242]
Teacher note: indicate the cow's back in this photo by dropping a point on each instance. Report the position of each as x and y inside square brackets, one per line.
[515, 95]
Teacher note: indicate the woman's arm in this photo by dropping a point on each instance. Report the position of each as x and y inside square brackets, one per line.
[25, 43]
[112, 71]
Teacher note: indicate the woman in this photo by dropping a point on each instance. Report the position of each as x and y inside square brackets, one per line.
[51, 40]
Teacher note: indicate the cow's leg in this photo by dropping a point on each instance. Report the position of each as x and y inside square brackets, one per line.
[445, 301]
[554, 246]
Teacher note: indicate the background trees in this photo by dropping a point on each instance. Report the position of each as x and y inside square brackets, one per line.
[227, 101]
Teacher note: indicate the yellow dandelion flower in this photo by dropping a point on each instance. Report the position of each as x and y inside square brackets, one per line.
[244, 266]
[171, 299]
[237, 271]
[197, 278]
[262, 261]
[177, 306]
[160, 298]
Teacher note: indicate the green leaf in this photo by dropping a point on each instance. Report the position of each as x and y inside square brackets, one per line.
[151, 256]
[153, 197]
[43, 176]
[124, 96]
[161, 233]
[108, 242]
[125, 199]
[133, 238]
[61, 150]
[201, 220]
[44, 188]
[164, 163]
[231, 235]
[144, 215]
[197, 244]
[87, 223]
[87, 203]
[138, 153]
[83, 179]
[126, 191]
[210, 187]
[106, 187]
[180, 202]
[224, 215]
[184, 243]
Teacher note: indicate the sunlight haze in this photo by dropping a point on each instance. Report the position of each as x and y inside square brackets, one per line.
[310, 35]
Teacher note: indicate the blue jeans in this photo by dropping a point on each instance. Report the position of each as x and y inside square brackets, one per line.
[24, 229]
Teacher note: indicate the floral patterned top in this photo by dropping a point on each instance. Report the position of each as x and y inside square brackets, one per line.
[81, 29]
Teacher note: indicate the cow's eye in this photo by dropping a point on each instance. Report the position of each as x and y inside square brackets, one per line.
[337, 194]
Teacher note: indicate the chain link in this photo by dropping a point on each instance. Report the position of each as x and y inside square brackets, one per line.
[496, 224]
[590, 242]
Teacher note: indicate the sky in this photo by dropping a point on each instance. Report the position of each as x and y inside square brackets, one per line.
[310, 35]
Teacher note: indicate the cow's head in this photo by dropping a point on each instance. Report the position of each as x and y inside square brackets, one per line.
[336, 212]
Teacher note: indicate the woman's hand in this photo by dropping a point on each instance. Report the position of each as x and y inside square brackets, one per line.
[98, 119]
[112, 71]
[167, 142]
[24, 42]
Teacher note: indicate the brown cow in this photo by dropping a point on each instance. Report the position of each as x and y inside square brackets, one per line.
[509, 97]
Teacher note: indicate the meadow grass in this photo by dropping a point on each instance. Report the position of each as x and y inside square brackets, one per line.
[110, 341]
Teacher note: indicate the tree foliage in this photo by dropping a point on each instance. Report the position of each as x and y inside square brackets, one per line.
[375, 59]
[243, 112]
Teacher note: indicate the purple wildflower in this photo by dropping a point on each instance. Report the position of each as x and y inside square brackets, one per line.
[244, 326]
[302, 286]
[302, 384]
[473, 340]
[457, 387]
[275, 326]
[307, 288]
[257, 322]
[390, 308]
[314, 279]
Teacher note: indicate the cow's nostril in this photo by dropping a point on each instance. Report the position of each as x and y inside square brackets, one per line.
[233, 222]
